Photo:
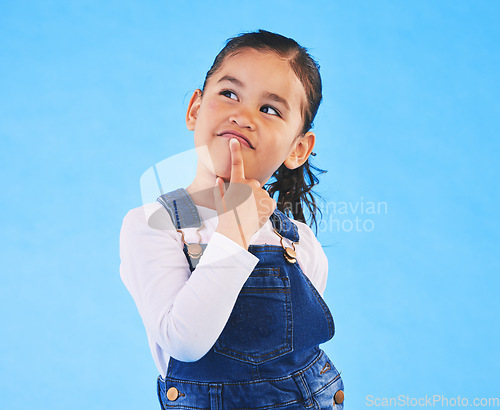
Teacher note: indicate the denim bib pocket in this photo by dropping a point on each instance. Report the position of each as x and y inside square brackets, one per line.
[259, 328]
[322, 303]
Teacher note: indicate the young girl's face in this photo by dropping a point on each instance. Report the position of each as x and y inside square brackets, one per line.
[256, 97]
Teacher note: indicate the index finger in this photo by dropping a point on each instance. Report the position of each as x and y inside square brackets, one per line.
[237, 167]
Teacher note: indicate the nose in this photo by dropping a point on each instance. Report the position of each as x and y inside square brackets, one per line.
[242, 117]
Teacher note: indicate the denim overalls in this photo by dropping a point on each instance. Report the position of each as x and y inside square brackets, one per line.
[268, 355]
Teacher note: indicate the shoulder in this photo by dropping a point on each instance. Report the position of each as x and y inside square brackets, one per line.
[148, 216]
[147, 225]
[147, 239]
[307, 238]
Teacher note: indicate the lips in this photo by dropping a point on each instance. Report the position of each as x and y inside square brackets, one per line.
[238, 135]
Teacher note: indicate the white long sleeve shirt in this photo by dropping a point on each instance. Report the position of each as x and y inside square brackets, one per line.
[184, 313]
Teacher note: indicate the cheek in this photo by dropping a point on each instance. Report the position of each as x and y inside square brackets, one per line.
[212, 107]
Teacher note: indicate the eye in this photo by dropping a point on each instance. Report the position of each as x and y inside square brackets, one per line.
[267, 109]
[229, 94]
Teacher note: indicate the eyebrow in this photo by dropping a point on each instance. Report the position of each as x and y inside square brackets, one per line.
[277, 98]
[271, 96]
[232, 80]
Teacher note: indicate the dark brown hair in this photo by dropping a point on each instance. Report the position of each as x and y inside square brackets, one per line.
[294, 185]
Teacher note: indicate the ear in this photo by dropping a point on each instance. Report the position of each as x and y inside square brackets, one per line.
[301, 151]
[193, 108]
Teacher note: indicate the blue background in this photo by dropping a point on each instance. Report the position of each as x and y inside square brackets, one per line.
[92, 94]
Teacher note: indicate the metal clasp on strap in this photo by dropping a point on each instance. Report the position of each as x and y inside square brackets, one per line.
[194, 249]
[290, 254]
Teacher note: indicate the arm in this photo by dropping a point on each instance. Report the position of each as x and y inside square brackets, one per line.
[183, 312]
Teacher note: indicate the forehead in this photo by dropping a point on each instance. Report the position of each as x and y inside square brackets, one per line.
[263, 71]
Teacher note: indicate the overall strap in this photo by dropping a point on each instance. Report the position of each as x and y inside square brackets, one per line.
[284, 225]
[181, 208]
[184, 214]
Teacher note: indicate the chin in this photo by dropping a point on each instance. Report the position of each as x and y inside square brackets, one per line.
[223, 172]
[222, 166]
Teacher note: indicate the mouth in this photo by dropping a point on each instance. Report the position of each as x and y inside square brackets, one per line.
[235, 134]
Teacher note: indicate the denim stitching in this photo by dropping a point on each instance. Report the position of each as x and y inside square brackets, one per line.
[181, 406]
[269, 406]
[262, 248]
[186, 199]
[158, 391]
[214, 391]
[286, 346]
[321, 389]
[286, 225]
[289, 227]
[180, 195]
[190, 206]
[277, 379]
[326, 310]
[241, 356]
[222, 384]
[308, 391]
[262, 290]
[177, 215]
[326, 367]
[264, 275]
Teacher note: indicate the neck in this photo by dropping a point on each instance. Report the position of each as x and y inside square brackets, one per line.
[201, 189]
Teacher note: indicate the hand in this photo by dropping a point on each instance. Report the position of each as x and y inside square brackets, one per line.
[244, 207]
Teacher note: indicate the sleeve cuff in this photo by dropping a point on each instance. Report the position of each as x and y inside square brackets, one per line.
[220, 248]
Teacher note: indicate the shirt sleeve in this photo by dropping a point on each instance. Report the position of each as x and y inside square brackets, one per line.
[183, 312]
[321, 271]
[313, 260]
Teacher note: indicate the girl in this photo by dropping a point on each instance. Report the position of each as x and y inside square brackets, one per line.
[231, 301]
